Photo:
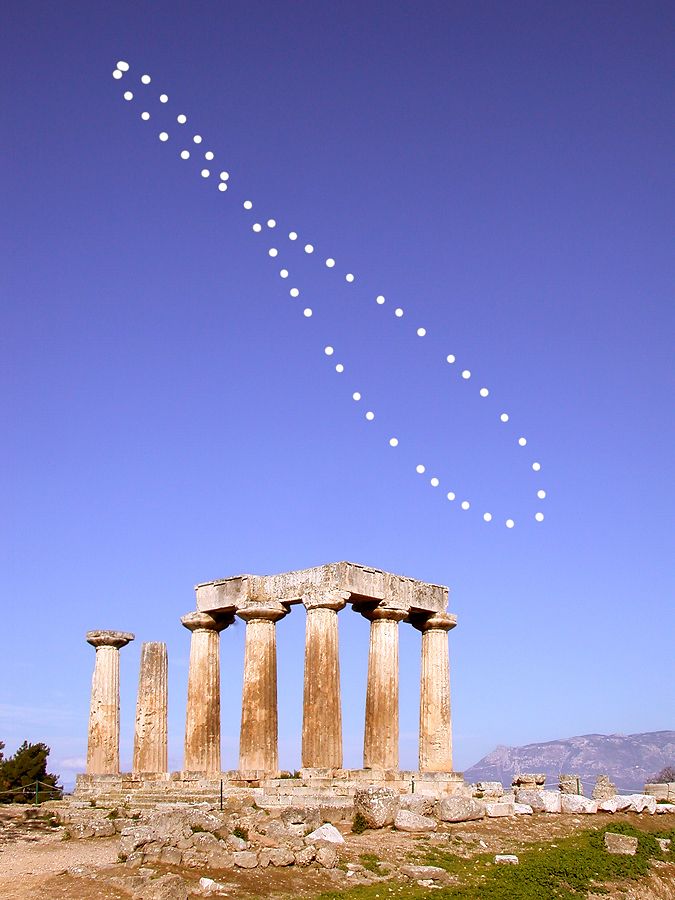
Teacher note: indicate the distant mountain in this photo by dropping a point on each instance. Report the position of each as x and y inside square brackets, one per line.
[630, 760]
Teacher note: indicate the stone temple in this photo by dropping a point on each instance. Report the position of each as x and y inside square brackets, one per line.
[386, 600]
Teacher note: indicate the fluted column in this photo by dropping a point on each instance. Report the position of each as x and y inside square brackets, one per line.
[202, 719]
[380, 743]
[103, 745]
[435, 750]
[321, 710]
[258, 742]
[150, 736]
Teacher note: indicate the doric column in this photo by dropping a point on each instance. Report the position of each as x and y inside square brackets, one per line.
[103, 746]
[258, 743]
[380, 743]
[150, 741]
[202, 719]
[322, 711]
[435, 716]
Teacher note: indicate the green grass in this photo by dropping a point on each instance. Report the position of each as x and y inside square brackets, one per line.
[565, 872]
[371, 862]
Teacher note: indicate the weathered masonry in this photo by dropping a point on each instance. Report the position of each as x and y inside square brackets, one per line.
[385, 600]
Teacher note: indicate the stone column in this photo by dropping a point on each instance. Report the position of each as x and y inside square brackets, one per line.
[150, 741]
[322, 711]
[435, 751]
[258, 742]
[380, 744]
[103, 746]
[202, 719]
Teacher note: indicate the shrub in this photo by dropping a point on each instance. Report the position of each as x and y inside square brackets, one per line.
[359, 825]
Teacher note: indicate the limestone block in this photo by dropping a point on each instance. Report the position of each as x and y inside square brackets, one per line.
[664, 844]
[433, 873]
[540, 801]
[570, 784]
[642, 803]
[409, 821]
[575, 804]
[522, 809]
[604, 789]
[328, 833]
[659, 791]
[615, 804]
[418, 803]
[205, 842]
[166, 887]
[495, 810]
[490, 789]
[377, 805]
[620, 844]
[246, 859]
[133, 838]
[235, 843]
[663, 809]
[529, 780]
[327, 857]
[306, 856]
[459, 809]
[170, 856]
[506, 859]
[282, 856]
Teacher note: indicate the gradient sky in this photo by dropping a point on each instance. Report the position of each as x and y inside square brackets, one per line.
[499, 170]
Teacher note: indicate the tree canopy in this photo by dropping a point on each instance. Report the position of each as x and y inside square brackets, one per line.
[20, 772]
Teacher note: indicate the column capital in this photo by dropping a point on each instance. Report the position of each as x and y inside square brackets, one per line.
[270, 611]
[325, 600]
[109, 638]
[390, 613]
[435, 622]
[201, 621]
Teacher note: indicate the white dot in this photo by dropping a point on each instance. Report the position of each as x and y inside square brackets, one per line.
[222, 186]
[309, 248]
[536, 466]
[339, 368]
[205, 173]
[450, 358]
[504, 417]
[487, 517]
[421, 332]
[256, 227]
[541, 494]
[163, 98]
[393, 442]
[294, 292]
[379, 299]
[307, 312]
[224, 176]
[539, 516]
[465, 504]
[434, 482]
[117, 74]
[128, 95]
[273, 251]
[330, 262]
[398, 312]
[146, 79]
[483, 392]
[420, 469]
[181, 119]
[271, 223]
[466, 374]
[209, 155]
[248, 204]
[123, 66]
[349, 277]
[329, 351]
[163, 136]
[370, 415]
[283, 273]
[185, 154]
[510, 523]
[198, 139]
[451, 495]
[522, 441]
[356, 396]
[292, 235]
[145, 116]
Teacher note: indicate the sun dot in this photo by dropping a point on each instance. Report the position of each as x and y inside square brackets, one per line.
[123, 66]
[283, 273]
[145, 116]
[128, 95]
[356, 396]
[393, 442]
[185, 154]
[450, 358]
[248, 204]
[504, 417]
[541, 494]
[205, 173]
[420, 469]
[181, 119]
[349, 277]
[330, 262]
[421, 332]
[536, 466]
[222, 186]
[163, 136]
[145, 79]
[379, 299]
[198, 139]
[434, 482]
[209, 155]
[292, 235]
[465, 504]
[466, 374]
[307, 312]
[370, 415]
[163, 98]
[117, 74]
[398, 312]
[256, 227]
[271, 223]
[539, 516]
[273, 251]
[339, 368]
[487, 517]
[483, 392]
[451, 495]
[309, 248]
[522, 441]
[224, 176]
[510, 523]
[329, 351]
[294, 292]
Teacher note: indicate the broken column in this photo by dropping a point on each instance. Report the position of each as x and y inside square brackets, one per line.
[380, 743]
[202, 720]
[103, 745]
[150, 736]
[322, 711]
[258, 743]
[435, 747]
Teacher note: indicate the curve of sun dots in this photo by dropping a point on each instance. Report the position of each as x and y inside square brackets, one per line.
[189, 147]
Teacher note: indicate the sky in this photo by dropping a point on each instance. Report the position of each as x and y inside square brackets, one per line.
[502, 174]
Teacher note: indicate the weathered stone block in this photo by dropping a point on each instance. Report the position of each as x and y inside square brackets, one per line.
[459, 809]
[604, 789]
[377, 805]
[490, 789]
[574, 804]
[540, 801]
[506, 859]
[495, 810]
[327, 857]
[282, 856]
[409, 821]
[328, 833]
[246, 859]
[621, 844]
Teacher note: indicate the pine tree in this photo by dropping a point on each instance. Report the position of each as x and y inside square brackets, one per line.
[18, 774]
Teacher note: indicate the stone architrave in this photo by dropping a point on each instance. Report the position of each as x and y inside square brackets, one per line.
[380, 742]
[202, 719]
[435, 749]
[103, 745]
[259, 737]
[322, 710]
[150, 736]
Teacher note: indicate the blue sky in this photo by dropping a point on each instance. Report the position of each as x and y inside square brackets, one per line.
[501, 172]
